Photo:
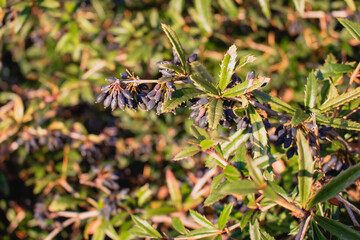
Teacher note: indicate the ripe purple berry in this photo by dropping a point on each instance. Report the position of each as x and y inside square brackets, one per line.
[158, 96]
[151, 104]
[124, 76]
[107, 101]
[127, 94]
[112, 79]
[192, 58]
[101, 97]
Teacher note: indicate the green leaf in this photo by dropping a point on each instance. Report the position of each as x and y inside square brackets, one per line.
[207, 143]
[265, 8]
[245, 218]
[111, 232]
[3, 3]
[204, 84]
[201, 70]
[299, 117]
[224, 216]
[335, 68]
[227, 67]
[254, 230]
[274, 101]
[299, 5]
[255, 173]
[138, 232]
[230, 7]
[260, 145]
[199, 133]
[306, 168]
[175, 43]
[235, 140]
[336, 185]
[4, 187]
[351, 5]
[246, 87]
[265, 235]
[203, 9]
[340, 100]
[215, 112]
[231, 173]
[239, 187]
[340, 230]
[62, 203]
[352, 27]
[338, 123]
[311, 91]
[146, 227]
[173, 67]
[180, 96]
[202, 233]
[245, 60]
[316, 233]
[202, 220]
[178, 226]
[187, 152]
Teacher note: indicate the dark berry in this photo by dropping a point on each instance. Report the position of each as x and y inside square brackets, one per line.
[158, 108]
[287, 142]
[107, 101]
[170, 94]
[143, 86]
[194, 114]
[203, 101]
[124, 75]
[151, 94]
[113, 104]
[250, 75]
[127, 94]
[158, 96]
[192, 58]
[151, 104]
[101, 97]
[111, 79]
[290, 152]
[170, 85]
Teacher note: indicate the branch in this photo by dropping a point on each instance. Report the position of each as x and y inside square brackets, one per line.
[297, 212]
[303, 227]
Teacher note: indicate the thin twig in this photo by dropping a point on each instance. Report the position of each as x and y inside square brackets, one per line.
[351, 214]
[347, 203]
[268, 110]
[316, 130]
[303, 227]
[353, 76]
[349, 148]
[297, 212]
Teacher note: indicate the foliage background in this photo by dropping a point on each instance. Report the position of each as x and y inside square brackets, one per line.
[55, 56]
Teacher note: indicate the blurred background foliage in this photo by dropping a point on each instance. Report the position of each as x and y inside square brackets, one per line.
[59, 151]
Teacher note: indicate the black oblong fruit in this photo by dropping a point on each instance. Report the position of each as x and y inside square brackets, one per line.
[151, 94]
[158, 108]
[170, 94]
[112, 79]
[287, 142]
[107, 101]
[127, 94]
[235, 79]
[101, 97]
[105, 87]
[203, 101]
[121, 101]
[151, 104]
[203, 122]
[113, 104]
[143, 86]
[170, 85]
[158, 96]
[157, 86]
[194, 114]
[142, 105]
[250, 75]
[192, 58]
[124, 75]
[176, 59]
[290, 152]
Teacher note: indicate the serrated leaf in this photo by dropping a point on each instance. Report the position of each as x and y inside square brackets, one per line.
[246, 87]
[306, 168]
[235, 140]
[338, 122]
[204, 84]
[199, 133]
[202, 220]
[239, 187]
[203, 10]
[178, 226]
[336, 68]
[227, 67]
[316, 233]
[215, 112]
[139, 232]
[265, 235]
[254, 230]
[336, 185]
[187, 152]
[175, 43]
[340, 100]
[265, 8]
[173, 67]
[299, 117]
[352, 27]
[255, 173]
[260, 145]
[174, 189]
[245, 60]
[230, 7]
[225, 215]
[245, 218]
[231, 173]
[213, 197]
[274, 101]
[146, 227]
[180, 96]
[201, 233]
[338, 229]
[207, 143]
[311, 91]
[201, 70]
[299, 5]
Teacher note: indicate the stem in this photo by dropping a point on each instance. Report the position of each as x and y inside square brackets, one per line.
[214, 154]
[268, 110]
[297, 212]
[154, 81]
[303, 227]
[316, 130]
[347, 203]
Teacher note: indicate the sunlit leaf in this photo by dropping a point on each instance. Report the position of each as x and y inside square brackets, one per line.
[338, 229]
[215, 112]
[146, 227]
[227, 67]
[202, 220]
[352, 27]
[187, 152]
